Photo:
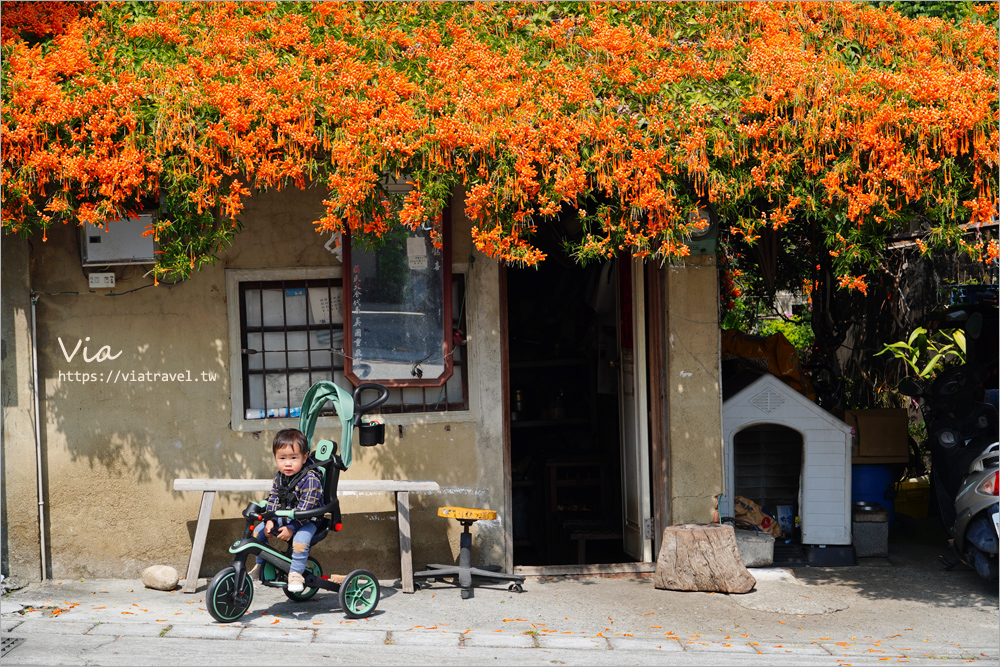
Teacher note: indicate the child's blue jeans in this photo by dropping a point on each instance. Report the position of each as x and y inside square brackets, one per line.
[302, 537]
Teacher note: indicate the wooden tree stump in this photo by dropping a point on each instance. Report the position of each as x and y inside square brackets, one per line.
[701, 557]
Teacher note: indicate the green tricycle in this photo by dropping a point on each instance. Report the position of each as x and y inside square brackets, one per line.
[230, 592]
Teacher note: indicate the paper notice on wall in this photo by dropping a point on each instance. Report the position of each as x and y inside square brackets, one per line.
[335, 247]
[416, 253]
[326, 305]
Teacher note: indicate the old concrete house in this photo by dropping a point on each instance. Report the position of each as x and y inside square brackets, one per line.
[582, 404]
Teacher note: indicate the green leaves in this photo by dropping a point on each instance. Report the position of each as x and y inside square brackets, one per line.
[926, 354]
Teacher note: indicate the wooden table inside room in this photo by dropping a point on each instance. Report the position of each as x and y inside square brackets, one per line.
[569, 479]
[209, 487]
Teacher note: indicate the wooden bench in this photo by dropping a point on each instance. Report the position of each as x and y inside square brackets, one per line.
[209, 487]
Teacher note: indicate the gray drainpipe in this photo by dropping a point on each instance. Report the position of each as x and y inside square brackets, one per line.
[38, 439]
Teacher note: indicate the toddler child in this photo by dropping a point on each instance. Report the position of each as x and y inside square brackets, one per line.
[292, 489]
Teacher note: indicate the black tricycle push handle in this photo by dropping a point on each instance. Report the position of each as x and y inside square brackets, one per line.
[372, 432]
[359, 408]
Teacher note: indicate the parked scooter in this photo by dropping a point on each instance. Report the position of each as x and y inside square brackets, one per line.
[965, 458]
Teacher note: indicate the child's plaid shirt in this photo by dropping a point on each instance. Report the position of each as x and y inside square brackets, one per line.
[309, 492]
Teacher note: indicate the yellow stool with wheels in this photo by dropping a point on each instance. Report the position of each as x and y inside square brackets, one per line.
[464, 570]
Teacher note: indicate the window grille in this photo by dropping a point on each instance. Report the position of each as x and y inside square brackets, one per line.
[292, 336]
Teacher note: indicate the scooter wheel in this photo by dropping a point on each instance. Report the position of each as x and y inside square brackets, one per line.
[223, 603]
[359, 594]
[314, 569]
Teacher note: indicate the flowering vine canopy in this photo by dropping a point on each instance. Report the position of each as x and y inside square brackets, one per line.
[625, 118]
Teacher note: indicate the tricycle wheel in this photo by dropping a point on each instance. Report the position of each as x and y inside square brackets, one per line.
[224, 604]
[314, 568]
[359, 594]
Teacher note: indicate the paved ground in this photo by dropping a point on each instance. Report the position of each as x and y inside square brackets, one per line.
[905, 608]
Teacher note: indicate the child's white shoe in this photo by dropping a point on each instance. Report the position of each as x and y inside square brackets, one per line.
[296, 582]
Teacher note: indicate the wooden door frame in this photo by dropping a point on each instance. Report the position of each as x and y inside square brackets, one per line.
[656, 368]
[656, 364]
[508, 486]
[634, 413]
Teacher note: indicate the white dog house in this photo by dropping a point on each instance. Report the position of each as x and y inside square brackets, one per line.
[781, 448]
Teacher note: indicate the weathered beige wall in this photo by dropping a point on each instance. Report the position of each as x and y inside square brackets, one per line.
[694, 395]
[113, 448]
[18, 487]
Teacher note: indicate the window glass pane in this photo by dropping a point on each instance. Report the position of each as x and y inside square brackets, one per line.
[252, 300]
[299, 384]
[276, 386]
[273, 315]
[322, 342]
[454, 387]
[395, 399]
[413, 395]
[256, 386]
[295, 306]
[274, 348]
[255, 342]
[437, 398]
[298, 340]
[458, 300]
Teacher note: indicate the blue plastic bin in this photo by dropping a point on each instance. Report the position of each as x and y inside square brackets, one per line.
[872, 483]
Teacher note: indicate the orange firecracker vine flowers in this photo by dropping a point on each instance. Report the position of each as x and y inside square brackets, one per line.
[620, 118]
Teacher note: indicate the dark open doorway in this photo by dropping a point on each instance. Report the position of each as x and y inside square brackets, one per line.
[565, 450]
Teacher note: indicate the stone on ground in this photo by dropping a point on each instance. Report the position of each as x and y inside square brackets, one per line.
[160, 577]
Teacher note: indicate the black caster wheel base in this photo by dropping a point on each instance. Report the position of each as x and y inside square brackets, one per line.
[466, 594]
[516, 588]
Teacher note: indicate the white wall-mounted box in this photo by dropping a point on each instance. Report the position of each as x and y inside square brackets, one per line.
[122, 243]
[102, 280]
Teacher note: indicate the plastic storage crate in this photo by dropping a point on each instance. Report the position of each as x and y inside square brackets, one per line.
[871, 530]
[913, 498]
[756, 549]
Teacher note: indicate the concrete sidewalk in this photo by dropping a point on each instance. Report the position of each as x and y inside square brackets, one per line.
[904, 608]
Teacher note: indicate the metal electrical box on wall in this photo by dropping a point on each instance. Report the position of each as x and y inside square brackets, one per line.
[122, 243]
[703, 241]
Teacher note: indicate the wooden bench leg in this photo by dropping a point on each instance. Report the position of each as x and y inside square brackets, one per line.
[405, 555]
[198, 545]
